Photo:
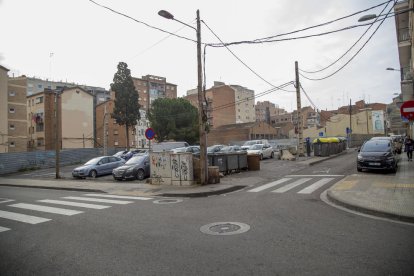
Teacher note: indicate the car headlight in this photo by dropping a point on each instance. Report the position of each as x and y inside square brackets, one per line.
[360, 158]
[130, 170]
[390, 159]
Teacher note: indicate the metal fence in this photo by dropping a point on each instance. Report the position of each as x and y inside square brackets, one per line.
[22, 161]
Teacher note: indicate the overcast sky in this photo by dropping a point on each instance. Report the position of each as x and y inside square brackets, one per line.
[88, 41]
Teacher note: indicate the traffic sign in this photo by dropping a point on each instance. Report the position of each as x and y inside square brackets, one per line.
[407, 110]
[149, 133]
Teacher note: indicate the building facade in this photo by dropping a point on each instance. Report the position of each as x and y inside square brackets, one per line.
[16, 116]
[4, 110]
[151, 87]
[266, 110]
[75, 124]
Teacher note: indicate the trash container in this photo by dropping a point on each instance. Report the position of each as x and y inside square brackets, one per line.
[253, 162]
[232, 162]
[220, 160]
[242, 157]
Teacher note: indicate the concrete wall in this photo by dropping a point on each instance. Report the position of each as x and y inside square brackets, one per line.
[20, 161]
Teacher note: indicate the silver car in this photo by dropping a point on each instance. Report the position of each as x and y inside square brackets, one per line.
[264, 151]
[98, 166]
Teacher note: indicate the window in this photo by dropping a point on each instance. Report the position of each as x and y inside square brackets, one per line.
[11, 126]
[39, 100]
[116, 143]
[32, 101]
[28, 102]
[12, 93]
[12, 110]
[12, 144]
[115, 132]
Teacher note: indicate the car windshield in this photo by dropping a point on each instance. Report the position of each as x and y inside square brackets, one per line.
[93, 161]
[135, 160]
[256, 147]
[226, 149]
[179, 149]
[249, 143]
[377, 146]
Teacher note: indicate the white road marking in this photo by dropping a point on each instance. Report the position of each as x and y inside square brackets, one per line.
[291, 185]
[98, 200]
[119, 196]
[4, 200]
[2, 229]
[310, 189]
[46, 209]
[314, 175]
[76, 204]
[22, 217]
[269, 185]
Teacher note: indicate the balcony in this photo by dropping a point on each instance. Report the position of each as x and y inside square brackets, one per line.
[404, 35]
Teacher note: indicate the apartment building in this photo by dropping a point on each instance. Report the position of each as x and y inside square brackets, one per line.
[4, 110]
[75, 124]
[151, 87]
[115, 133]
[227, 104]
[14, 125]
[266, 110]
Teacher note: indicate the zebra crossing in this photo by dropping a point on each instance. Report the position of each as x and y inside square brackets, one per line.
[291, 182]
[63, 206]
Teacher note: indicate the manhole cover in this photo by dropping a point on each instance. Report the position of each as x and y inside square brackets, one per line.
[167, 201]
[225, 228]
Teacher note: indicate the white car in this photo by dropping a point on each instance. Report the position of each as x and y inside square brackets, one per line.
[265, 151]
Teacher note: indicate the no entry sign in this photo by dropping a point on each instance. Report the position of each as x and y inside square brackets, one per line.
[407, 110]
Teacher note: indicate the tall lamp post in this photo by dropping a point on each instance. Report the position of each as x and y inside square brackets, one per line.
[201, 110]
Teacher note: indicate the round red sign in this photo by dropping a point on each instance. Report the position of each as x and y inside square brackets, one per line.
[407, 110]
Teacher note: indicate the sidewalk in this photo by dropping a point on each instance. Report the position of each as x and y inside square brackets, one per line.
[389, 195]
[385, 195]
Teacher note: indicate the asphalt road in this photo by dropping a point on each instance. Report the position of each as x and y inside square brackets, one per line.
[288, 233]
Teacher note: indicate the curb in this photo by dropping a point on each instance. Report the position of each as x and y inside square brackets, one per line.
[55, 188]
[204, 194]
[368, 211]
[327, 158]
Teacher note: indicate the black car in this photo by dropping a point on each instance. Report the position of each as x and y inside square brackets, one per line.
[377, 155]
[138, 167]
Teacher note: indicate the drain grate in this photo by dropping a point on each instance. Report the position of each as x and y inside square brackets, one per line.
[225, 228]
[167, 201]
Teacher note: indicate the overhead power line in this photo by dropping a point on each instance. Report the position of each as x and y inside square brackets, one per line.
[272, 38]
[360, 49]
[350, 48]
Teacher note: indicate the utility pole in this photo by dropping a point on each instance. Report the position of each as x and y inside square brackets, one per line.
[201, 110]
[105, 129]
[350, 124]
[299, 112]
[57, 130]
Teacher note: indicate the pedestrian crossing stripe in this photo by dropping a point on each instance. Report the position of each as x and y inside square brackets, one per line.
[282, 189]
[119, 196]
[292, 185]
[75, 204]
[269, 185]
[318, 184]
[2, 229]
[22, 217]
[98, 200]
[46, 209]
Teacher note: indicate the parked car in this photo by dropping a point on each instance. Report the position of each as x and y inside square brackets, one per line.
[167, 146]
[230, 149]
[192, 149]
[138, 167]
[98, 166]
[120, 153]
[249, 143]
[265, 151]
[214, 148]
[377, 154]
[128, 154]
[394, 140]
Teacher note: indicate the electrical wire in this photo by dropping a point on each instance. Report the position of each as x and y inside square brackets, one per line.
[141, 22]
[241, 61]
[271, 38]
[360, 49]
[353, 45]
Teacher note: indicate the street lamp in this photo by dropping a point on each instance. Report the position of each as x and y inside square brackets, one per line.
[201, 110]
[367, 17]
[392, 69]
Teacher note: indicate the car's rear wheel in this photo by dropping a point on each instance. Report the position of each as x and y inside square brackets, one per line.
[359, 169]
[140, 174]
[93, 174]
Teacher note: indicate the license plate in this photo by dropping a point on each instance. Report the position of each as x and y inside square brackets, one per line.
[374, 164]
